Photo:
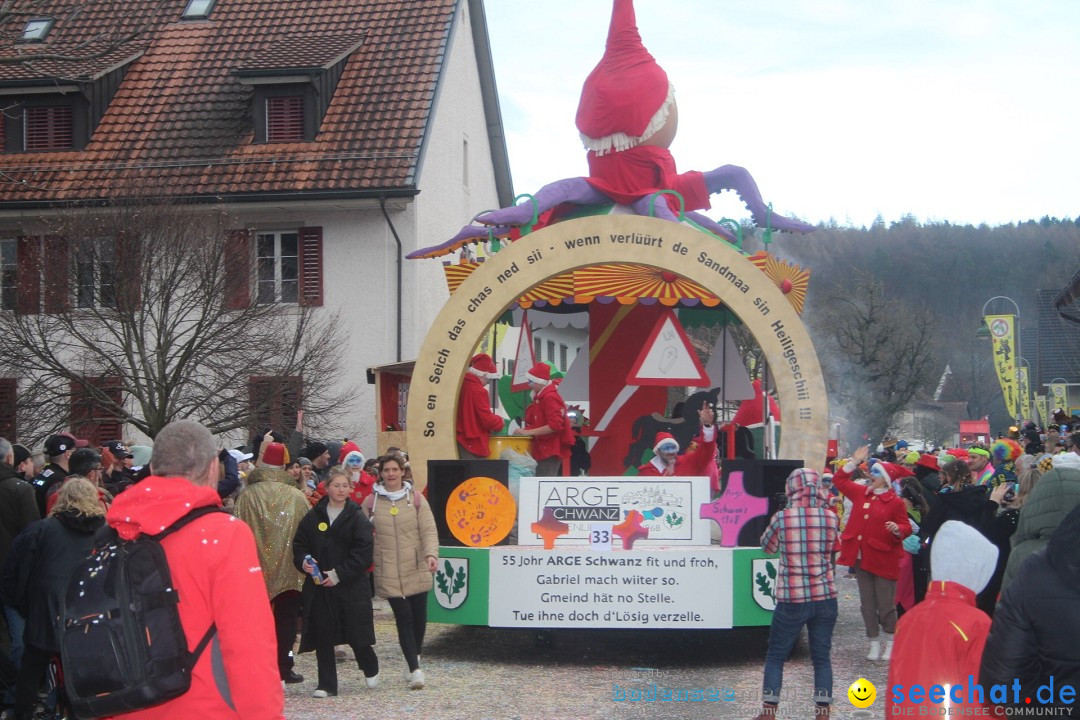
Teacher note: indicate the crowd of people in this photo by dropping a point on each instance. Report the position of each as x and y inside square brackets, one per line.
[967, 564]
[965, 559]
[324, 531]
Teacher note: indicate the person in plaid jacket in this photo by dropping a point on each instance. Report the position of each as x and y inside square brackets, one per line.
[805, 534]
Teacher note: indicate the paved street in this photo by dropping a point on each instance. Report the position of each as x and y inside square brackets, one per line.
[478, 673]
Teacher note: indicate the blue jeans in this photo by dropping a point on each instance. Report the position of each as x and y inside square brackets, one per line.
[819, 617]
[16, 624]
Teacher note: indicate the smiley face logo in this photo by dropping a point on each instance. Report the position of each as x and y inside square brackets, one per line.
[862, 693]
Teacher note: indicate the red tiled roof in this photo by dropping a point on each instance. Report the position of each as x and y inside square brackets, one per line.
[302, 50]
[181, 121]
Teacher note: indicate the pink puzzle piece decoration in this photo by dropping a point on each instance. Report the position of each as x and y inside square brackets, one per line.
[549, 528]
[630, 529]
[733, 509]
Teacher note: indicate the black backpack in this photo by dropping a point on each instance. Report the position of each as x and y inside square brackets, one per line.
[122, 646]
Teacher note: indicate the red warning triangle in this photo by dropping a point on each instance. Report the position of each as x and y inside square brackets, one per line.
[524, 358]
[668, 358]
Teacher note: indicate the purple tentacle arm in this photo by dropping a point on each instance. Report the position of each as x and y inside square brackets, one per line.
[468, 234]
[712, 226]
[576, 191]
[733, 177]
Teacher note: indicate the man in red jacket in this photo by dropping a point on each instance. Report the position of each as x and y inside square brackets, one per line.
[668, 461]
[215, 570]
[546, 421]
[475, 419]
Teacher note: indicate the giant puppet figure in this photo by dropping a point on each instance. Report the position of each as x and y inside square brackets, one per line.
[627, 117]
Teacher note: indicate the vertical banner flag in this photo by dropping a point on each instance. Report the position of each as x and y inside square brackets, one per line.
[1025, 394]
[1003, 336]
[1059, 397]
[1040, 403]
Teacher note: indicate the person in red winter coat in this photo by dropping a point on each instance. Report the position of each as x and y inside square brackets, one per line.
[940, 640]
[872, 543]
[218, 580]
[695, 461]
[475, 419]
[546, 422]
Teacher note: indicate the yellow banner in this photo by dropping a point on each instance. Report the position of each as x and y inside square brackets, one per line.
[1040, 403]
[1025, 395]
[1059, 397]
[1003, 336]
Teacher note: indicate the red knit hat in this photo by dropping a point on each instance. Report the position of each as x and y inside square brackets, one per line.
[483, 367]
[663, 437]
[274, 454]
[540, 374]
[627, 97]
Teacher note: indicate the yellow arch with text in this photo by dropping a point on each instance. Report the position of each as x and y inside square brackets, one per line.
[566, 246]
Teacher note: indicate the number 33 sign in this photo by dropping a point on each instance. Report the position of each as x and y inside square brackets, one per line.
[600, 537]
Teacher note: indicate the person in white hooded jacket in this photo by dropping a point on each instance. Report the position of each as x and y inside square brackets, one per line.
[940, 640]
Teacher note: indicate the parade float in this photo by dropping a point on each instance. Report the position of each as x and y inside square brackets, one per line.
[624, 255]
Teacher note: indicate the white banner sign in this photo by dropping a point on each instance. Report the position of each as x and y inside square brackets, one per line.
[647, 589]
[670, 507]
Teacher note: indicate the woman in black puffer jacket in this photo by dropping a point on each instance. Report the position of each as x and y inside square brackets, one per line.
[1036, 629]
[337, 610]
[35, 578]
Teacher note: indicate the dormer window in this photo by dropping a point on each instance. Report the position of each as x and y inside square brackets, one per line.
[293, 80]
[198, 9]
[36, 29]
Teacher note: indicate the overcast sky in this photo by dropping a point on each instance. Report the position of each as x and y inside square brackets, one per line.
[958, 110]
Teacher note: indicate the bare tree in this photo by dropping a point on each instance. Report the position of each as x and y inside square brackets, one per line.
[878, 353]
[136, 327]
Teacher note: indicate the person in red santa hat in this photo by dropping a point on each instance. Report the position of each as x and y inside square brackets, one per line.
[872, 543]
[547, 423]
[668, 461]
[475, 418]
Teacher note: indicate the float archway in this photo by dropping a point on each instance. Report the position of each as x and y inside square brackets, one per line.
[567, 246]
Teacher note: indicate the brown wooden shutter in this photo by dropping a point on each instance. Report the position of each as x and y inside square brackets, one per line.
[311, 266]
[127, 272]
[48, 128]
[56, 274]
[92, 420]
[238, 270]
[8, 402]
[28, 272]
[285, 119]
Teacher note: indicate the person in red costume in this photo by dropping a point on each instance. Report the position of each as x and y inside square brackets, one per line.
[940, 640]
[546, 422]
[628, 118]
[475, 418]
[872, 543]
[695, 461]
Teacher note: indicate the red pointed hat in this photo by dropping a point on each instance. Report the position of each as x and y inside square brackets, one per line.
[540, 373]
[627, 97]
[662, 437]
[483, 366]
[750, 412]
